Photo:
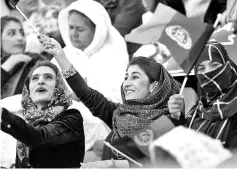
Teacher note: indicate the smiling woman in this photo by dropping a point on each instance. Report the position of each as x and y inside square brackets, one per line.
[145, 92]
[49, 135]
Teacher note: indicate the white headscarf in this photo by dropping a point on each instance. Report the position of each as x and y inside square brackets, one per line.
[103, 62]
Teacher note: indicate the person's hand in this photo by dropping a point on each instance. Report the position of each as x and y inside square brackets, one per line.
[13, 60]
[176, 105]
[51, 46]
[54, 48]
[98, 164]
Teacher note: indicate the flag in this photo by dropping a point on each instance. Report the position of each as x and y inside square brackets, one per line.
[136, 144]
[177, 32]
[227, 38]
[197, 49]
[12, 3]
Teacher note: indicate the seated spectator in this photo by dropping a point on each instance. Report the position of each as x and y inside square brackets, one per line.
[49, 134]
[215, 113]
[15, 63]
[145, 92]
[94, 46]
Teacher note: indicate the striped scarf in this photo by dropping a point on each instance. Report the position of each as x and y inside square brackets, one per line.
[219, 93]
[134, 115]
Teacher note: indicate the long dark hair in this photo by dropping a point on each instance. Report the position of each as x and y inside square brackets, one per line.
[6, 19]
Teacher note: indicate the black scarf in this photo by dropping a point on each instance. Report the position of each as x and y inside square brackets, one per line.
[219, 91]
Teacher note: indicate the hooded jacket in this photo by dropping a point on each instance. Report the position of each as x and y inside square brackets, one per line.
[103, 62]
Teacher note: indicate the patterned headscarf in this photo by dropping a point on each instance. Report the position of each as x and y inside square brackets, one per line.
[60, 101]
[219, 94]
[134, 115]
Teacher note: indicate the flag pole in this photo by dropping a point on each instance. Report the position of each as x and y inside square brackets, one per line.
[32, 26]
[129, 158]
[28, 21]
[186, 76]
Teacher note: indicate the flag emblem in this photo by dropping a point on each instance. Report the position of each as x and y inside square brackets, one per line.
[144, 138]
[180, 35]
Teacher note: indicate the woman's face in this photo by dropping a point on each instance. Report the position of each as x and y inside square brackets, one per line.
[13, 38]
[42, 84]
[81, 32]
[136, 84]
[208, 66]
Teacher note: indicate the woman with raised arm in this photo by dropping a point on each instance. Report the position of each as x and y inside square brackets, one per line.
[145, 92]
[49, 134]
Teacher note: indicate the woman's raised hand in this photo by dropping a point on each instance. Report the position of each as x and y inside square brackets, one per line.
[51, 46]
[176, 105]
[54, 48]
[13, 60]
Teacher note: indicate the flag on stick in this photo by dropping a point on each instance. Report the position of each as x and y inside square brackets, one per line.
[197, 49]
[177, 32]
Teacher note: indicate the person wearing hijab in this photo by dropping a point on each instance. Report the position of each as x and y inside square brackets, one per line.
[215, 113]
[15, 62]
[96, 48]
[98, 52]
[49, 134]
[145, 93]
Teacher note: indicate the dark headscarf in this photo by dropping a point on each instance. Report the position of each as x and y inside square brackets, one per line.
[134, 115]
[219, 91]
[60, 101]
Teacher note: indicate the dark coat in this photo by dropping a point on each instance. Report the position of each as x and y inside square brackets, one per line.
[58, 144]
